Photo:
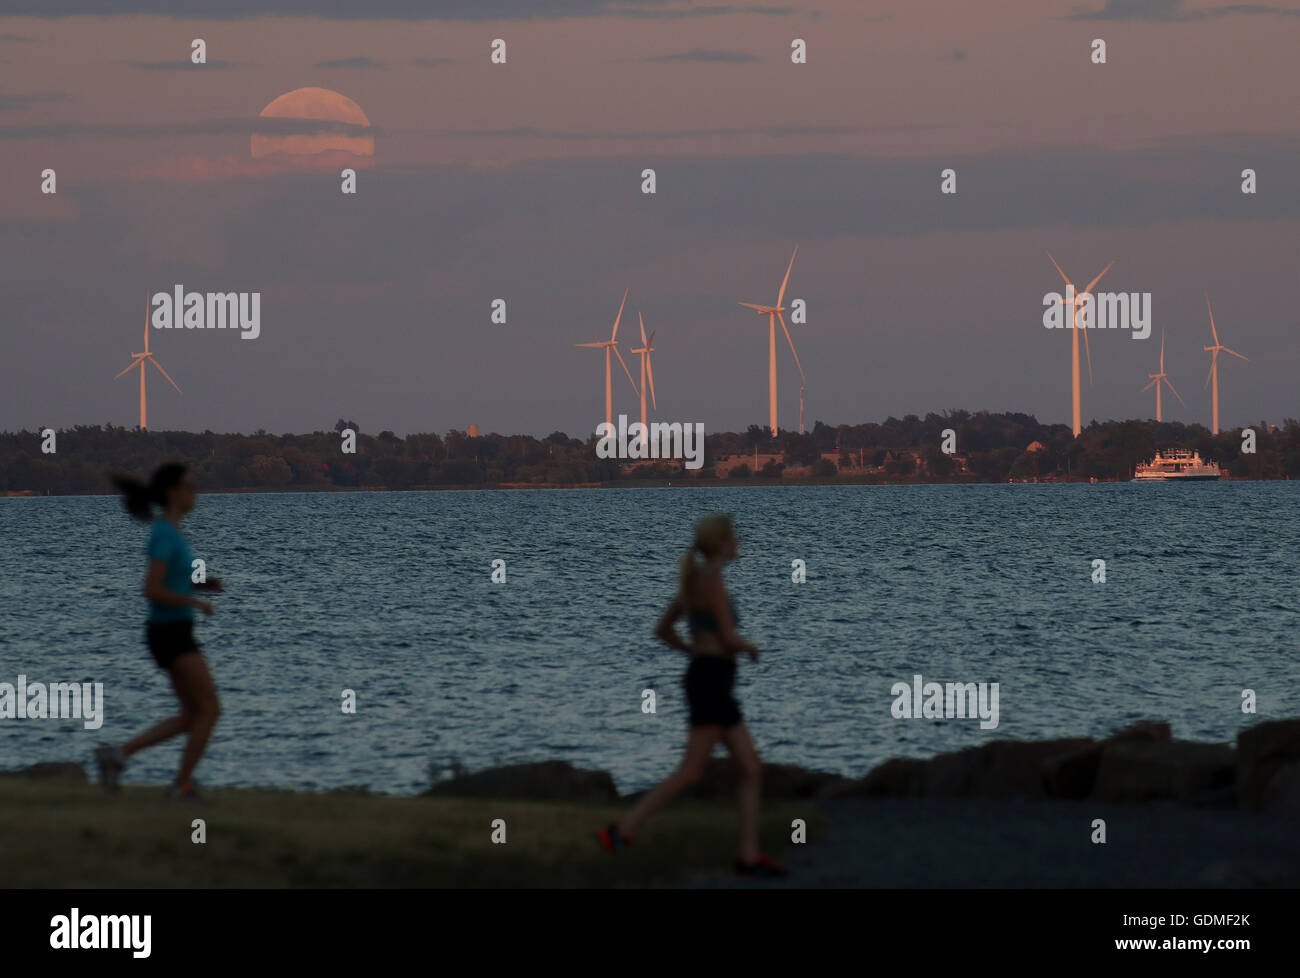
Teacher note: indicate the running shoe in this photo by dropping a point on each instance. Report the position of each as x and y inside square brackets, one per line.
[111, 762]
[611, 839]
[764, 868]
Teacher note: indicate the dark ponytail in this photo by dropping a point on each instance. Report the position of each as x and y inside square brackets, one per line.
[140, 498]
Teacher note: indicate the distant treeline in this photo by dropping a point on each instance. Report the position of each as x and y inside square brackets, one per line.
[989, 448]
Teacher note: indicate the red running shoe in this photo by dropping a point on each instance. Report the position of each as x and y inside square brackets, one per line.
[763, 868]
[611, 839]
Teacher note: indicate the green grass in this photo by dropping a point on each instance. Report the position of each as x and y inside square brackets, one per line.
[69, 835]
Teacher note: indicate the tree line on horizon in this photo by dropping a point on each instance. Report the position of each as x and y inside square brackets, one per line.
[990, 447]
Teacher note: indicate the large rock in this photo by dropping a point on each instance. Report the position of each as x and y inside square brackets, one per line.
[540, 781]
[1062, 768]
[1073, 775]
[1282, 793]
[898, 777]
[1135, 770]
[1263, 752]
[783, 782]
[999, 769]
[780, 781]
[50, 771]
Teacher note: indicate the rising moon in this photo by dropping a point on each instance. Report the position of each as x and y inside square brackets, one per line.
[314, 103]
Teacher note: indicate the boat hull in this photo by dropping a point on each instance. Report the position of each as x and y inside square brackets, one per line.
[1177, 478]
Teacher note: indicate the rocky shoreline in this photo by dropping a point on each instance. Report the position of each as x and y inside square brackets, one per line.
[1009, 813]
[1141, 763]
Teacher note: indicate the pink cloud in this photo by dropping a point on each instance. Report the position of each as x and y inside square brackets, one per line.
[197, 169]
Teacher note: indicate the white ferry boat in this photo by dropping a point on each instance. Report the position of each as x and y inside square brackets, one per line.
[1176, 465]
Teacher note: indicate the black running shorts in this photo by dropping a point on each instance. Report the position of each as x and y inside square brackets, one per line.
[709, 680]
[168, 640]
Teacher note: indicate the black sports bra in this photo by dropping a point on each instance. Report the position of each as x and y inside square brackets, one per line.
[705, 620]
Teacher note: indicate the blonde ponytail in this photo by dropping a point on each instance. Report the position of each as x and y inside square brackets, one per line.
[685, 577]
[711, 533]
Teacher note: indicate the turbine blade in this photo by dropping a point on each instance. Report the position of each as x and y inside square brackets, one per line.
[781, 295]
[650, 376]
[753, 306]
[1176, 394]
[146, 322]
[614, 335]
[1162, 349]
[625, 370]
[1058, 268]
[1152, 384]
[1213, 360]
[589, 344]
[1211, 311]
[791, 342]
[1234, 353]
[650, 344]
[132, 367]
[642, 322]
[1098, 278]
[162, 371]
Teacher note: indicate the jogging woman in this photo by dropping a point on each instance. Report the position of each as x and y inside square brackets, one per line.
[714, 715]
[169, 633]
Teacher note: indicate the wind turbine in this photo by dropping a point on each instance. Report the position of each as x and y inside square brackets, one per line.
[140, 359]
[773, 313]
[647, 371]
[608, 345]
[1156, 380]
[1214, 363]
[1076, 304]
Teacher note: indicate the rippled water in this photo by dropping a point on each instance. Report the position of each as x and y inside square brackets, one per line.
[389, 594]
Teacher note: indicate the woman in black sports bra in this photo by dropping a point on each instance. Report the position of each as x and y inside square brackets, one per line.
[714, 714]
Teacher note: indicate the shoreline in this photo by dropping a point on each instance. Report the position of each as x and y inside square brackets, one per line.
[687, 483]
[1136, 809]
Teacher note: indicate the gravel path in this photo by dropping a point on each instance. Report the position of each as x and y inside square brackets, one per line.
[950, 842]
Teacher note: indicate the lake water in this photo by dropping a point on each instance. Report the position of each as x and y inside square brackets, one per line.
[390, 595]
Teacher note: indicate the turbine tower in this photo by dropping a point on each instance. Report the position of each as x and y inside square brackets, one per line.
[1075, 305]
[1214, 352]
[773, 313]
[647, 371]
[140, 359]
[1157, 379]
[608, 345]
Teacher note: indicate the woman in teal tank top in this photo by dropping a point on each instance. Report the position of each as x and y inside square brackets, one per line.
[169, 631]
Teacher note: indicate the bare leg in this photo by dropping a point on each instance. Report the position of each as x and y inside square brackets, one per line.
[199, 698]
[698, 748]
[750, 786]
[166, 730]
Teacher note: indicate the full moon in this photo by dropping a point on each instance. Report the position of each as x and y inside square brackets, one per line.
[314, 103]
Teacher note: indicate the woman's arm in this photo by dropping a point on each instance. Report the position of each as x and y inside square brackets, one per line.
[155, 589]
[666, 630]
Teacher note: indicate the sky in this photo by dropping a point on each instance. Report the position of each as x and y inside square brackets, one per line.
[522, 181]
